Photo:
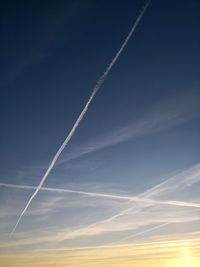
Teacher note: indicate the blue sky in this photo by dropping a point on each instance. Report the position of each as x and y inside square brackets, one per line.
[141, 129]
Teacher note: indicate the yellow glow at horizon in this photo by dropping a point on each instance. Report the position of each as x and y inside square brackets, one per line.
[186, 259]
[185, 262]
[169, 253]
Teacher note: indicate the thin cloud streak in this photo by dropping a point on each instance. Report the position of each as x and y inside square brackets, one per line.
[145, 126]
[140, 214]
[71, 133]
[156, 243]
[185, 178]
[179, 181]
[147, 231]
[160, 118]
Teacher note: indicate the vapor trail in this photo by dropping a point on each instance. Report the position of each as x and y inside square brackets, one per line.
[63, 190]
[136, 199]
[181, 180]
[95, 90]
[147, 230]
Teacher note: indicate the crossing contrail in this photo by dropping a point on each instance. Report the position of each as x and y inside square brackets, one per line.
[95, 90]
[181, 180]
[137, 198]
[79, 192]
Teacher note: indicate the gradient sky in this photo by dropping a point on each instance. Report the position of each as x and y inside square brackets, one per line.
[133, 165]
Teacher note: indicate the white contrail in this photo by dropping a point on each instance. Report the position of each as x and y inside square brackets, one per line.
[190, 175]
[95, 90]
[63, 190]
[109, 196]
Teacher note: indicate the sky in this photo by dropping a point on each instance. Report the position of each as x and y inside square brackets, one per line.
[125, 190]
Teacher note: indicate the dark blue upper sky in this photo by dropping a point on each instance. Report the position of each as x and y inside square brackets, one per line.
[53, 53]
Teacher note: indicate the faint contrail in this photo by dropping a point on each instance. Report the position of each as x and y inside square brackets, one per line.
[95, 90]
[147, 231]
[190, 175]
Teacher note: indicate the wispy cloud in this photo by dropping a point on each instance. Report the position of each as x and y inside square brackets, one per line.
[147, 213]
[163, 117]
[124, 254]
[178, 182]
[138, 216]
